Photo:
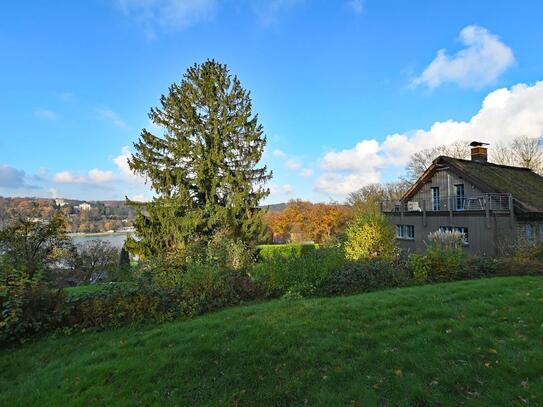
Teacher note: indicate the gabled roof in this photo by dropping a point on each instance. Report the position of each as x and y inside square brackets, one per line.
[524, 184]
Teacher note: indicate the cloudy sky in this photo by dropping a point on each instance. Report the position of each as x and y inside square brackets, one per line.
[346, 89]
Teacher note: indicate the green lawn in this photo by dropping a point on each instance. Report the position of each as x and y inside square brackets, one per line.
[469, 343]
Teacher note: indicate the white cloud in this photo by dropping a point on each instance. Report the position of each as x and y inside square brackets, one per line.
[268, 10]
[339, 184]
[138, 198]
[278, 153]
[479, 64]
[94, 176]
[287, 189]
[45, 114]
[293, 164]
[356, 5]
[97, 176]
[363, 156]
[281, 191]
[54, 193]
[121, 161]
[167, 14]
[504, 114]
[68, 177]
[112, 117]
[306, 172]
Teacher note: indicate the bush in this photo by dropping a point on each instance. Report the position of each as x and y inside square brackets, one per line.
[474, 267]
[369, 236]
[28, 312]
[420, 267]
[272, 251]
[298, 275]
[363, 276]
[444, 255]
[224, 252]
[161, 271]
[26, 306]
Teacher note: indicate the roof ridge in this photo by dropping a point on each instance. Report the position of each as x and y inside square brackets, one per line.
[512, 167]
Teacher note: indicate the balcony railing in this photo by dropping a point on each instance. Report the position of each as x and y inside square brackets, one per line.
[491, 202]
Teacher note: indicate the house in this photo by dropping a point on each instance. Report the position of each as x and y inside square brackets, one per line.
[60, 202]
[493, 206]
[84, 207]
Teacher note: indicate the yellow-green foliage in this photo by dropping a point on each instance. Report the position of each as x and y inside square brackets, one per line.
[369, 236]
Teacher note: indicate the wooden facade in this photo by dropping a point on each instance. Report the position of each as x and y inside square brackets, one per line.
[448, 197]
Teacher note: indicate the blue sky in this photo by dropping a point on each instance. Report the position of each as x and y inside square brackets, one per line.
[346, 89]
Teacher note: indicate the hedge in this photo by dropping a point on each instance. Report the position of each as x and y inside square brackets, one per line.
[273, 251]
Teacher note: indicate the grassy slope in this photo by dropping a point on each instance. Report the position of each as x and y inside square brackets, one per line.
[476, 342]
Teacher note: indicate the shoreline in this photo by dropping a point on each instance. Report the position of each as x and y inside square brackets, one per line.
[98, 234]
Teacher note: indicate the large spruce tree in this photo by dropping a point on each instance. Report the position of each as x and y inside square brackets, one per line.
[204, 167]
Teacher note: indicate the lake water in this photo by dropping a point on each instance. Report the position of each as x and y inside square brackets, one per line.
[114, 239]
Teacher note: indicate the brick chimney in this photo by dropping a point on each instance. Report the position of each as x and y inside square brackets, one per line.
[479, 151]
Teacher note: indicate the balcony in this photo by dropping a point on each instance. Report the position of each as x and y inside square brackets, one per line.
[485, 202]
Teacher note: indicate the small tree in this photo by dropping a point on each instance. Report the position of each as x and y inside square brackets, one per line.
[34, 246]
[369, 236]
[94, 258]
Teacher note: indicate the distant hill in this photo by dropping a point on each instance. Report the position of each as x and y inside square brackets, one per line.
[278, 207]
[82, 216]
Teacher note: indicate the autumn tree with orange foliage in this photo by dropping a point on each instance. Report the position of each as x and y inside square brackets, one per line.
[306, 221]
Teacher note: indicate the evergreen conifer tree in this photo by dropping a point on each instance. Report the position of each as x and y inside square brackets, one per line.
[204, 167]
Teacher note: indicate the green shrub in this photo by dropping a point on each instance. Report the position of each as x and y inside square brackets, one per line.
[225, 252]
[473, 267]
[362, 276]
[27, 307]
[161, 271]
[298, 275]
[369, 236]
[443, 259]
[272, 251]
[420, 267]
[28, 310]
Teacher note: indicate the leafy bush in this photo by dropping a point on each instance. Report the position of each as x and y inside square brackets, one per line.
[272, 251]
[444, 255]
[28, 312]
[362, 276]
[369, 236]
[298, 275]
[225, 252]
[161, 271]
[473, 267]
[26, 306]
[420, 267]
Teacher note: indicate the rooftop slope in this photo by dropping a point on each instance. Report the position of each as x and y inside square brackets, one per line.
[525, 185]
[473, 343]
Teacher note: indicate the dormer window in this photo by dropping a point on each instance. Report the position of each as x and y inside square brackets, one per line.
[435, 198]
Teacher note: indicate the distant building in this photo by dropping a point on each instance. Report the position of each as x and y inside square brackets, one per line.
[84, 207]
[492, 205]
[60, 202]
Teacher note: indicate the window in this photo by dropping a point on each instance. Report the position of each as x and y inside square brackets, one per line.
[529, 232]
[460, 229]
[540, 231]
[405, 232]
[459, 189]
[435, 198]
